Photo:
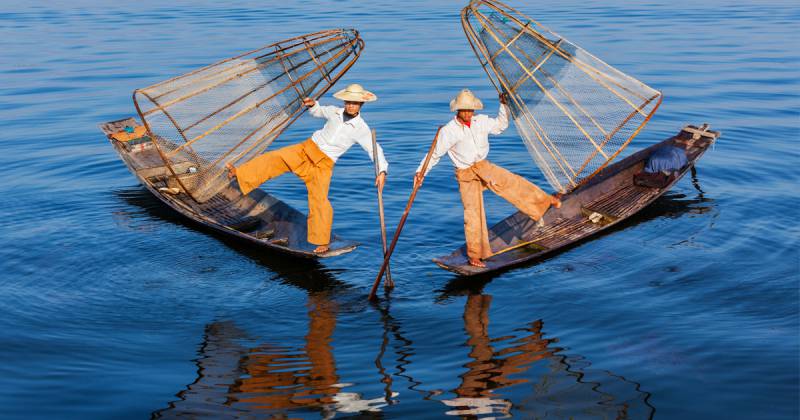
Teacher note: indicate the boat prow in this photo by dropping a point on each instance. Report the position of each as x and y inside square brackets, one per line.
[257, 217]
[607, 199]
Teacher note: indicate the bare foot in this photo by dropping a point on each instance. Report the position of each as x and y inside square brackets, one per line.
[321, 249]
[555, 202]
[475, 262]
[231, 170]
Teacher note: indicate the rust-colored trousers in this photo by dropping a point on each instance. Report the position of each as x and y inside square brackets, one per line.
[309, 164]
[525, 196]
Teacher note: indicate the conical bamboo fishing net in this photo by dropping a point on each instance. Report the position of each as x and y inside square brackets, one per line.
[574, 112]
[232, 110]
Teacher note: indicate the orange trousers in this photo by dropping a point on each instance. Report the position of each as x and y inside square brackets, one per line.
[525, 196]
[309, 164]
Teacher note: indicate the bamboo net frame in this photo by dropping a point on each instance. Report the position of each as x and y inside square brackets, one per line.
[234, 109]
[574, 112]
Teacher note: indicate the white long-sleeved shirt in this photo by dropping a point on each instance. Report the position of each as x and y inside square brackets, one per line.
[467, 145]
[337, 135]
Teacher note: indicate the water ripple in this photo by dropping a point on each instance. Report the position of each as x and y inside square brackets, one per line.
[129, 310]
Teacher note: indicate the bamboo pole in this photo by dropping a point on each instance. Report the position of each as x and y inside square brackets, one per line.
[287, 72]
[389, 283]
[546, 56]
[403, 218]
[311, 52]
[511, 41]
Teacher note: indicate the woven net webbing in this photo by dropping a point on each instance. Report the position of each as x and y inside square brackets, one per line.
[232, 110]
[574, 112]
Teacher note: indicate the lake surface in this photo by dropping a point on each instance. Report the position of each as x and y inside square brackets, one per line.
[115, 307]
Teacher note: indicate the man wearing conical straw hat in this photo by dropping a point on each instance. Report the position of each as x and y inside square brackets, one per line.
[466, 140]
[312, 160]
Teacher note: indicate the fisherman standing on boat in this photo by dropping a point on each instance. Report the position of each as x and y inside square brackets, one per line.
[466, 140]
[313, 160]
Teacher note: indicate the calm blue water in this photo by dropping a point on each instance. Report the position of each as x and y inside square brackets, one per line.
[114, 307]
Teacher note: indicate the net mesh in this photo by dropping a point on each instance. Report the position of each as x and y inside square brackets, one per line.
[574, 112]
[232, 110]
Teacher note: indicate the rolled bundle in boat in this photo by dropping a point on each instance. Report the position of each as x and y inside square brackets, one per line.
[232, 110]
[574, 112]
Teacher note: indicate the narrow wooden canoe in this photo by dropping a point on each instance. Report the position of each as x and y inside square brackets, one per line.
[257, 218]
[607, 199]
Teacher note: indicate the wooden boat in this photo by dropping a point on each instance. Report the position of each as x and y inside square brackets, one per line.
[576, 114]
[607, 199]
[257, 218]
[190, 126]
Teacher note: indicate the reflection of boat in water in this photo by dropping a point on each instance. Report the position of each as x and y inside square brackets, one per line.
[524, 375]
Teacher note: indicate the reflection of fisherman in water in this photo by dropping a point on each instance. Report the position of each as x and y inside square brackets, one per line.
[269, 379]
[523, 374]
[475, 392]
[519, 373]
[282, 378]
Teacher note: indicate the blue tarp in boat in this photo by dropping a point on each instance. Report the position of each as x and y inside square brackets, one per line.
[667, 159]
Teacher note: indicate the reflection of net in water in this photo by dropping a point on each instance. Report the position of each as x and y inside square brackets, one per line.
[574, 112]
[232, 110]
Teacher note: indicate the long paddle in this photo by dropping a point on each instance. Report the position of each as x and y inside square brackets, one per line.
[389, 282]
[400, 225]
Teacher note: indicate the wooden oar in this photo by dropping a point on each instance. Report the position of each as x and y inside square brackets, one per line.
[404, 217]
[389, 282]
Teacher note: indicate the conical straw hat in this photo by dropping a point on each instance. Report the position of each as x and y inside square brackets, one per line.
[465, 100]
[355, 93]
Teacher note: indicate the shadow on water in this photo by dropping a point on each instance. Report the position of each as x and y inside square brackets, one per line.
[671, 205]
[305, 273]
[523, 373]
